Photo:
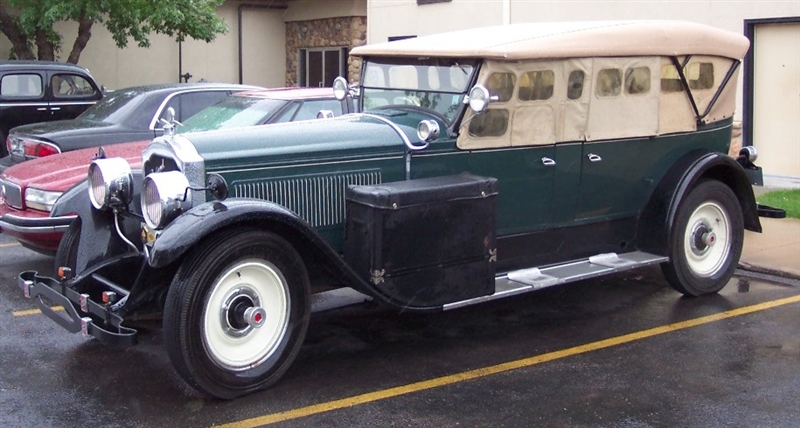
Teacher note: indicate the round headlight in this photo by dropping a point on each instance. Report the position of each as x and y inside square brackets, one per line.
[165, 195]
[479, 98]
[110, 183]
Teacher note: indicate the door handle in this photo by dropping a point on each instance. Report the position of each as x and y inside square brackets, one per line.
[548, 162]
[55, 108]
[594, 158]
[41, 109]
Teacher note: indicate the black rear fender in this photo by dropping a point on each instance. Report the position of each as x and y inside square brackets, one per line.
[658, 217]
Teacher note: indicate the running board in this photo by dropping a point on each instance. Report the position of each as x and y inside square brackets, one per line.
[527, 280]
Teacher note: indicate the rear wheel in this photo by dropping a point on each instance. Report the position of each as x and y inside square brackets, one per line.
[706, 240]
[237, 312]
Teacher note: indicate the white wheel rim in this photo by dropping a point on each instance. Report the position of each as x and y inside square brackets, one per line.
[707, 239]
[229, 341]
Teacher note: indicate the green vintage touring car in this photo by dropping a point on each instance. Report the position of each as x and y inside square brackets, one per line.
[486, 163]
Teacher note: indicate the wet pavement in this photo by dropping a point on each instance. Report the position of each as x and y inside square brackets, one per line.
[622, 351]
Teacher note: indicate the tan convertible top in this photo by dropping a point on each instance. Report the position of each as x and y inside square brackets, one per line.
[570, 40]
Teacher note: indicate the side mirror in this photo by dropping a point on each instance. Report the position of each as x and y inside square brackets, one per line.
[340, 88]
[479, 98]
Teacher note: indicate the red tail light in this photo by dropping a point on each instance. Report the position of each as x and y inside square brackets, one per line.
[39, 149]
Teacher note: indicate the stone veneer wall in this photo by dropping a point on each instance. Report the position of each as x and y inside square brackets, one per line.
[318, 33]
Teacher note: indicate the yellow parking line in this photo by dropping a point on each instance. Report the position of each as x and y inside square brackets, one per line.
[500, 368]
[34, 311]
[13, 244]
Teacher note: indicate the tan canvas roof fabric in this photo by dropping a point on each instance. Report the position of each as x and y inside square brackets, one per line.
[570, 40]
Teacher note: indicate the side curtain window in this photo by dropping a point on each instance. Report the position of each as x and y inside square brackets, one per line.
[536, 85]
[609, 82]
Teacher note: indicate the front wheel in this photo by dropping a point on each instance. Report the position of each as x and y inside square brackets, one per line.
[237, 312]
[706, 240]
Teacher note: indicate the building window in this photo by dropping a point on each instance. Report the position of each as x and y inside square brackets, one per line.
[319, 66]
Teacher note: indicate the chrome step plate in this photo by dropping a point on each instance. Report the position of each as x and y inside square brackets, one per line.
[526, 280]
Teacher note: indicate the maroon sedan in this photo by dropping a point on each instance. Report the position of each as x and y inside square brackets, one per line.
[29, 190]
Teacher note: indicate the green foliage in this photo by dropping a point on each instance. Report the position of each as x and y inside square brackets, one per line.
[788, 200]
[32, 21]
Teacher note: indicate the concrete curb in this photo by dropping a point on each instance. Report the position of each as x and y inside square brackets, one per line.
[768, 270]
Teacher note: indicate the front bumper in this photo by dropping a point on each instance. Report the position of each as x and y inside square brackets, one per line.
[81, 314]
[35, 231]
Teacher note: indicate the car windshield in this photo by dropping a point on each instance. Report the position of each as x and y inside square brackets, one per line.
[114, 107]
[436, 84]
[232, 112]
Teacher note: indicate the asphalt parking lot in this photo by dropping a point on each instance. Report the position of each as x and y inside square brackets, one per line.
[623, 351]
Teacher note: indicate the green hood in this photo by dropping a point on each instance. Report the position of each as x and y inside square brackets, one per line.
[352, 136]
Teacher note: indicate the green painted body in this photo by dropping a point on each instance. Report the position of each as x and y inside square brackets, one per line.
[306, 166]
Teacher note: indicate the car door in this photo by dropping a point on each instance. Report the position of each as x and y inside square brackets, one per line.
[22, 99]
[70, 94]
[614, 159]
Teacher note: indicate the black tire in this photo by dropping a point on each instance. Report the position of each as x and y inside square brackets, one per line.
[706, 240]
[67, 253]
[206, 330]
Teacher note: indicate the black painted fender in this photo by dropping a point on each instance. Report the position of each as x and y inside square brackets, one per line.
[658, 217]
[192, 226]
[99, 239]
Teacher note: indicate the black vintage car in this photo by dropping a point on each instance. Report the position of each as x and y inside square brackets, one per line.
[42, 91]
[131, 114]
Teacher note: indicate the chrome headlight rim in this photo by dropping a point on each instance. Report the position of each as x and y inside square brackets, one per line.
[40, 199]
[165, 195]
[110, 183]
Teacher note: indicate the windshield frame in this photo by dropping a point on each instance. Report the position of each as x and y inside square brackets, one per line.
[420, 96]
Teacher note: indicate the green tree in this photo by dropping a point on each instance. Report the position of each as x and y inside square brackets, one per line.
[28, 24]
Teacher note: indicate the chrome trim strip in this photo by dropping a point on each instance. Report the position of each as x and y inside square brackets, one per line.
[309, 164]
[36, 230]
[394, 126]
[31, 104]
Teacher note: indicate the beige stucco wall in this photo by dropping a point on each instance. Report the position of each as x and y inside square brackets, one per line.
[776, 103]
[306, 10]
[263, 46]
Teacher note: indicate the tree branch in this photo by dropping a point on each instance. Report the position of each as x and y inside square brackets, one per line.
[44, 48]
[10, 27]
[84, 33]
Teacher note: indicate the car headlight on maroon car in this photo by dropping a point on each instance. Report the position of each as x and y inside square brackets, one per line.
[165, 195]
[110, 183]
[41, 200]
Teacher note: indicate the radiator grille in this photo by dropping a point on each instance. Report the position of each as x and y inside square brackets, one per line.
[317, 199]
[12, 194]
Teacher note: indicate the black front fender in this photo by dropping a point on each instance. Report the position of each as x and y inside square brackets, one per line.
[192, 226]
[99, 239]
